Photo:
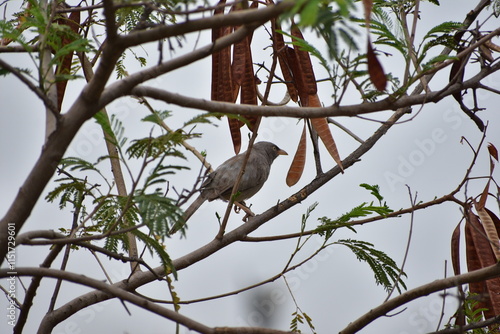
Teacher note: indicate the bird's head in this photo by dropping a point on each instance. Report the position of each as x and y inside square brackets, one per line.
[269, 149]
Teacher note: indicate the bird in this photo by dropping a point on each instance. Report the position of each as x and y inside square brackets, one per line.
[219, 184]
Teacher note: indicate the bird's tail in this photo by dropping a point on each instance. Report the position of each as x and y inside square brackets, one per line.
[187, 214]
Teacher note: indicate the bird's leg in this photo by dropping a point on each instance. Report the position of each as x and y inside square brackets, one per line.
[238, 206]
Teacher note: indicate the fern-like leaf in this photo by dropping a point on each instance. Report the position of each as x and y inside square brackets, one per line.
[329, 226]
[154, 246]
[385, 270]
[158, 212]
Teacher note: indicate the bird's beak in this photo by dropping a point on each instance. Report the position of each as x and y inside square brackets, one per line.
[281, 152]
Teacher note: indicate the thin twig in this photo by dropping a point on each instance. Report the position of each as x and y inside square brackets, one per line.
[67, 250]
[396, 214]
[38, 92]
[346, 130]
[407, 250]
[444, 296]
[184, 143]
[52, 236]
[109, 278]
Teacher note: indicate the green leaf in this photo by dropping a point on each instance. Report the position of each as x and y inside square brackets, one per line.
[298, 317]
[157, 117]
[118, 131]
[328, 226]
[110, 208]
[443, 28]
[158, 212]
[161, 146]
[67, 77]
[175, 297]
[306, 216]
[154, 246]
[436, 60]
[374, 190]
[69, 191]
[204, 119]
[309, 321]
[121, 71]
[77, 164]
[474, 312]
[385, 270]
[9, 31]
[114, 241]
[102, 119]
[79, 45]
[385, 35]
[309, 13]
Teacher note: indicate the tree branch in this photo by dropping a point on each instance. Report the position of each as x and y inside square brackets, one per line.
[464, 329]
[424, 290]
[109, 19]
[38, 92]
[389, 103]
[237, 18]
[27, 239]
[237, 234]
[114, 160]
[109, 290]
[33, 287]
[125, 86]
[446, 198]
[19, 48]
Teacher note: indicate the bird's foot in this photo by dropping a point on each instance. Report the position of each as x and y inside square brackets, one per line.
[248, 215]
[238, 206]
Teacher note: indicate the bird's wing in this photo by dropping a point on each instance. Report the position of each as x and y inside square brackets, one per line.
[222, 179]
[256, 174]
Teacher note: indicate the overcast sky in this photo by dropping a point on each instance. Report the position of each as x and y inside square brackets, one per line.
[333, 289]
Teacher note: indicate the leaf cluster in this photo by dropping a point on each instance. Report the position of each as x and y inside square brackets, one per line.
[385, 270]
[299, 317]
[146, 211]
[474, 313]
[329, 226]
[57, 35]
[389, 32]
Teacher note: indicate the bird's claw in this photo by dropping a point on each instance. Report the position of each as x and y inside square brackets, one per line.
[248, 214]
[238, 206]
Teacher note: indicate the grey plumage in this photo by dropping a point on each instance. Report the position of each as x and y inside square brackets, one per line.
[220, 183]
